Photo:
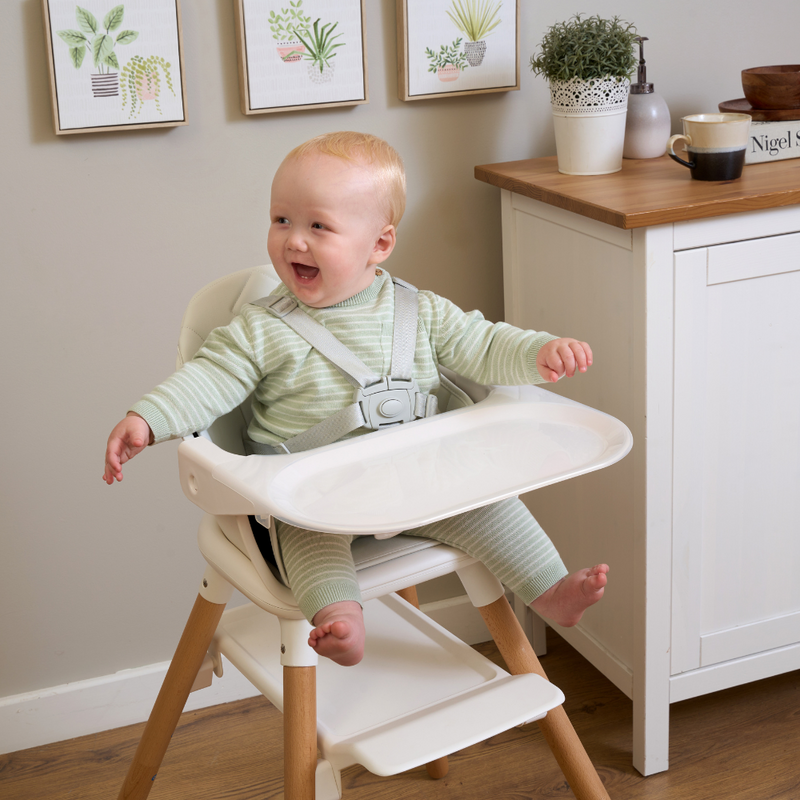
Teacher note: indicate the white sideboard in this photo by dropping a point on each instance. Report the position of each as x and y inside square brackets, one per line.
[694, 325]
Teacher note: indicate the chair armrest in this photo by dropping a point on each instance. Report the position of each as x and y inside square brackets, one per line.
[204, 475]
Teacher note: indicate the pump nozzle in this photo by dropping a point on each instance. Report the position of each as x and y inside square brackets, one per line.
[641, 86]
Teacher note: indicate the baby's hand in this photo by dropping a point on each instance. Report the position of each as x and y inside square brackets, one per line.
[128, 438]
[563, 357]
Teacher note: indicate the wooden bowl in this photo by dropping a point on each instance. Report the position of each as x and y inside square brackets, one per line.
[772, 87]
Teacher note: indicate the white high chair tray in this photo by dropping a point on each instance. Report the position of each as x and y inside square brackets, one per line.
[518, 439]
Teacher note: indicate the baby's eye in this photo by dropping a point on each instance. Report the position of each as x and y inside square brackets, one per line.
[281, 220]
[317, 225]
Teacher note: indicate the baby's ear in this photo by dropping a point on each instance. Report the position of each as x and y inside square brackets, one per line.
[384, 245]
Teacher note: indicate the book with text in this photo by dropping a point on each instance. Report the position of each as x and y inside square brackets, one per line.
[773, 141]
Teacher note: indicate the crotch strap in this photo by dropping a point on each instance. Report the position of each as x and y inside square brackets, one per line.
[379, 401]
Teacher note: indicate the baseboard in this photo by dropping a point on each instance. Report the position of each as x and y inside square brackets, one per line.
[99, 704]
[597, 655]
[125, 698]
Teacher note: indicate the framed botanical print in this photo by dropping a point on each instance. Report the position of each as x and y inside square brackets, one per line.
[300, 54]
[115, 66]
[448, 48]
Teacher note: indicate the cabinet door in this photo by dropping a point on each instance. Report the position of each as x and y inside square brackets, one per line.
[736, 481]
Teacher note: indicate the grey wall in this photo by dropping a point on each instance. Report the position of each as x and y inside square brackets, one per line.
[106, 236]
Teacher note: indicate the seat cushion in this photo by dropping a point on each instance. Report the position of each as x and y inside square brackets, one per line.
[369, 551]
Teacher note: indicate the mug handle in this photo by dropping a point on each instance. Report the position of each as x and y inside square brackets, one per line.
[671, 151]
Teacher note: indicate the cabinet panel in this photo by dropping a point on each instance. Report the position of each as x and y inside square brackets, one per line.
[750, 225]
[736, 551]
[746, 639]
[573, 283]
[755, 259]
[691, 350]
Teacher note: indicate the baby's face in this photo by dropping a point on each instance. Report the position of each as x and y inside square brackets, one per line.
[327, 230]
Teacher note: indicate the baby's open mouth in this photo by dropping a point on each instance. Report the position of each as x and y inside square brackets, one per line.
[304, 271]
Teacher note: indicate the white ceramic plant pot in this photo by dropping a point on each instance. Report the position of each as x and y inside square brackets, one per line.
[589, 121]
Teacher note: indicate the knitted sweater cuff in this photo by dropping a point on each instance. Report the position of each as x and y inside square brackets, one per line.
[542, 581]
[154, 418]
[326, 594]
[538, 343]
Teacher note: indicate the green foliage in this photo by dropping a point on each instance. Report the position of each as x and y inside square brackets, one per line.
[114, 17]
[285, 26]
[96, 38]
[86, 21]
[447, 56]
[586, 48]
[126, 37]
[142, 75]
[319, 44]
[77, 54]
[475, 18]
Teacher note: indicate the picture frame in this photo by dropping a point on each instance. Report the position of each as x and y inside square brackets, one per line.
[115, 65]
[301, 54]
[453, 48]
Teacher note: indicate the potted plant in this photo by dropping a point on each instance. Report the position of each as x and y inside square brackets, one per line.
[285, 26]
[319, 50]
[99, 41]
[588, 62]
[141, 82]
[476, 20]
[448, 62]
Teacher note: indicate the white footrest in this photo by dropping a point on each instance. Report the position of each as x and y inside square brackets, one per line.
[419, 694]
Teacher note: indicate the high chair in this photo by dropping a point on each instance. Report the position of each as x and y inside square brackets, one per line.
[419, 693]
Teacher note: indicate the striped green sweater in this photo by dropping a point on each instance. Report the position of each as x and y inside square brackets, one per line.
[294, 387]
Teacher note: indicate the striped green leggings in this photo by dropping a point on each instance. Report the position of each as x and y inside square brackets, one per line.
[504, 536]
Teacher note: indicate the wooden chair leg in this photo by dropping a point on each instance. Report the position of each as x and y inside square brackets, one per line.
[440, 767]
[299, 732]
[556, 727]
[169, 704]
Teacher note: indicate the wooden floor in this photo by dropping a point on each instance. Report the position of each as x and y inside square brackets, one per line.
[741, 743]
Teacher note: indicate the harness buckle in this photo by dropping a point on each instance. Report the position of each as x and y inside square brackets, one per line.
[388, 402]
[279, 305]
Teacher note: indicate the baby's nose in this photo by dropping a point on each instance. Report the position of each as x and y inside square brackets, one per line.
[297, 242]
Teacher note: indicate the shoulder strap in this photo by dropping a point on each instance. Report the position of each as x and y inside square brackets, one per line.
[404, 337]
[352, 417]
[320, 338]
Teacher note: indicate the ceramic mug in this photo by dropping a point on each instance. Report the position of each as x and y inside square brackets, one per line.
[716, 144]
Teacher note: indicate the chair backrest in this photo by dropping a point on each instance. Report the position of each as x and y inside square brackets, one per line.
[217, 303]
[213, 306]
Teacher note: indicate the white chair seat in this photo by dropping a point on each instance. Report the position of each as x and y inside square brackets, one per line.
[382, 566]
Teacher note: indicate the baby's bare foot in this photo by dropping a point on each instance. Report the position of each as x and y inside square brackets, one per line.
[339, 633]
[564, 602]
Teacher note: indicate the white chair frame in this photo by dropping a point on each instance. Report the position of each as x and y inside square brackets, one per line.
[275, 655]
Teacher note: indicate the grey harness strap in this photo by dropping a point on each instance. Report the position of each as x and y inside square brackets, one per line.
[404, 338]
[379, 402]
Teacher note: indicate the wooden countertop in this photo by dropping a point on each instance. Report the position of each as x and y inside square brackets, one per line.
[648, 192]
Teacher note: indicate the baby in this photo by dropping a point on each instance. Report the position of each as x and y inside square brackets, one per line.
[336, 203]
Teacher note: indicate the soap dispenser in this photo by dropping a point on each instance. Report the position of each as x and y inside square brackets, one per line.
[648, 125]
